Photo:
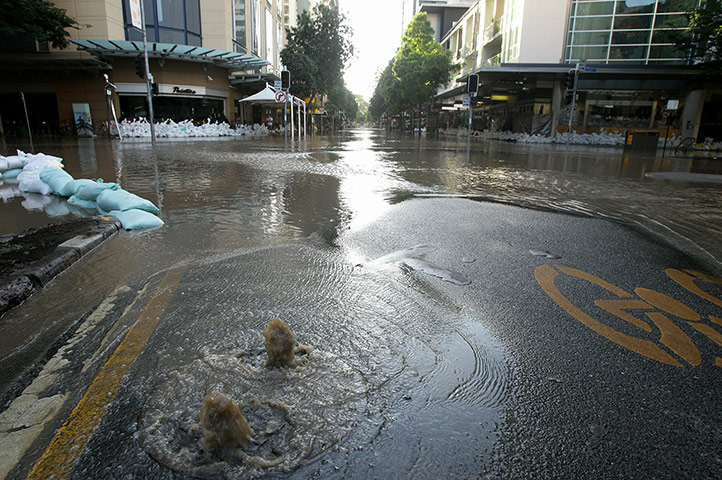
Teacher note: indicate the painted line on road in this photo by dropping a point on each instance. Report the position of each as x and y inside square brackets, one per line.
[70, 440]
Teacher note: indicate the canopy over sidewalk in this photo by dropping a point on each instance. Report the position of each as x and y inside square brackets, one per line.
[267, 97]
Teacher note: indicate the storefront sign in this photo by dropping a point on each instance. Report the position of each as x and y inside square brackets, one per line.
[187, 91]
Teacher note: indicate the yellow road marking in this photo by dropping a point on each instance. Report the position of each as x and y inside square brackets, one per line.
[687, 281]
[546, 276]
[70, 440]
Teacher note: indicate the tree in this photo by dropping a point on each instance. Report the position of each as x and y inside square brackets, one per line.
[38, 19]
[421, 65]
[703, 36]
[340, 99]
[363, 109]
[317, 50]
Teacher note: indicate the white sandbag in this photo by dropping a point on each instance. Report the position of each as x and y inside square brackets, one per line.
[110, 200]
[71, 188]
[34, 185]
[135, 219]
[37, 165]
[3, 164]
[91, 191]
[56, 178]
[79, 202]
[7, 174]
[15, 161]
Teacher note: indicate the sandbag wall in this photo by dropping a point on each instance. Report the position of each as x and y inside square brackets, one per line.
[44, 175]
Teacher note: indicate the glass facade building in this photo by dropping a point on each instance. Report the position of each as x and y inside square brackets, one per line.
[626, 31]
[167, 21]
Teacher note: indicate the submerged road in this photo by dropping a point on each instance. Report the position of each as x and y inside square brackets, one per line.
[448, 338]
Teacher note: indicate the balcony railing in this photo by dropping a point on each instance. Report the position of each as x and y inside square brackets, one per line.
[493, 30]
[494, 61]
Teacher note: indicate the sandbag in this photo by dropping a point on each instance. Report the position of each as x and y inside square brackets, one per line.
[82, 203]
[56, 178]
[71, 188]
[135, 219]
[37, 165]
[91, 191]
[34, 185]
[121, 200]
[12, 173]
[3, 164]
[15, 161]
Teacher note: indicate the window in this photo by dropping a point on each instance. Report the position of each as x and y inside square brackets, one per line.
[167, 21]
[639, 36]
[595, 8]
[239, 25]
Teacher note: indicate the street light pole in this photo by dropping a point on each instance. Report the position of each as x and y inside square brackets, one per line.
[148, 75]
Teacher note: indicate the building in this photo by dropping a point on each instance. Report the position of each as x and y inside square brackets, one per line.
[523, 51]
[204, 56]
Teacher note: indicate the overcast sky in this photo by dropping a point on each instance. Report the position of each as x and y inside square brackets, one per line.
[376, 36]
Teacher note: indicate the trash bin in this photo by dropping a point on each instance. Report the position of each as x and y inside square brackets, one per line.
[641, 140]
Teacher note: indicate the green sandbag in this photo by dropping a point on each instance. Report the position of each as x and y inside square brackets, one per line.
[91, 192]
[71, 188]
[12, 173]
[110, 200]
[82, 203]
[56, 178]
[135, 219]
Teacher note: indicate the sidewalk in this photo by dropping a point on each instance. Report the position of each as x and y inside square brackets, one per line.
[29, 260]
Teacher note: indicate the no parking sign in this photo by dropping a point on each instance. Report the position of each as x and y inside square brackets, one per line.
[281, 97]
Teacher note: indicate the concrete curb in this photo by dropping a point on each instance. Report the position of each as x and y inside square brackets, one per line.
[23, 284]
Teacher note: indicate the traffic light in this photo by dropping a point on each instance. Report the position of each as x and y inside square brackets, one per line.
[472, 83]
[285, 80]
[569, 81]
[154, 88]
[140, 66]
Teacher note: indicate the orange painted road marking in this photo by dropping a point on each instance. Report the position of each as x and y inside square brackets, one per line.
[687, 281]
[546, 276]
[70, 440]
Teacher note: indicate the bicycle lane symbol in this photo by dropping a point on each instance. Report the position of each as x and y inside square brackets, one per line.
[656, 306]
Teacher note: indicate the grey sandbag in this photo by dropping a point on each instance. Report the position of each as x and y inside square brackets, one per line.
[71, 188]
[55, 178]
[135, 219]
[110, 200]
[91, 191]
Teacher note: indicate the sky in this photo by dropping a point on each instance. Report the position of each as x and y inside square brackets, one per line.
[376, 28]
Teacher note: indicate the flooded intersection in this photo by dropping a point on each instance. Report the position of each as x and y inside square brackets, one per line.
[409, 373]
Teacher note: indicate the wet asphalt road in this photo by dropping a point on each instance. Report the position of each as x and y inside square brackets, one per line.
[575, 401]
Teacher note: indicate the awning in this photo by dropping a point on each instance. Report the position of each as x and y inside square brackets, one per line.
[264, 97]
[232, 61]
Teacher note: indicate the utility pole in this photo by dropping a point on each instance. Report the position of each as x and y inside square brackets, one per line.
[148, 76]
[580, 66]
[477, 19]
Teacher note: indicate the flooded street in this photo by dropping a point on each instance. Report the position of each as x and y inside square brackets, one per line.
[416, 338]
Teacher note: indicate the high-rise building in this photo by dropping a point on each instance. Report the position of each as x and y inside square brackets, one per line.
[204, 56]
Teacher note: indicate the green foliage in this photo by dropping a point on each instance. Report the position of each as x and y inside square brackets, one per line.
[340, 99]
[363, 109]
[421, 65]
[35, 18]
[703, 36]
[317, 50]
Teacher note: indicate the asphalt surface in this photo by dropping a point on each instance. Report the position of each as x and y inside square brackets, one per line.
[609, 375]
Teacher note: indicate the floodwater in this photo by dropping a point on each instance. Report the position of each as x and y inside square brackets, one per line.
[264, 228]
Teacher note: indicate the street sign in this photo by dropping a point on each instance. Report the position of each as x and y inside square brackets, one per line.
[466, 101]
[281, 97]
[277, 84]
[672, 104]
[135, 15]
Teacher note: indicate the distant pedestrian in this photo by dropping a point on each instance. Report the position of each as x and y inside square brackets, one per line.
[269, 122]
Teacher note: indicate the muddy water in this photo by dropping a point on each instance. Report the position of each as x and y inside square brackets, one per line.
[262, 227]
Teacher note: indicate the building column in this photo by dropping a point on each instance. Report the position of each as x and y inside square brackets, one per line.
[692, 114]
[556, 107]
